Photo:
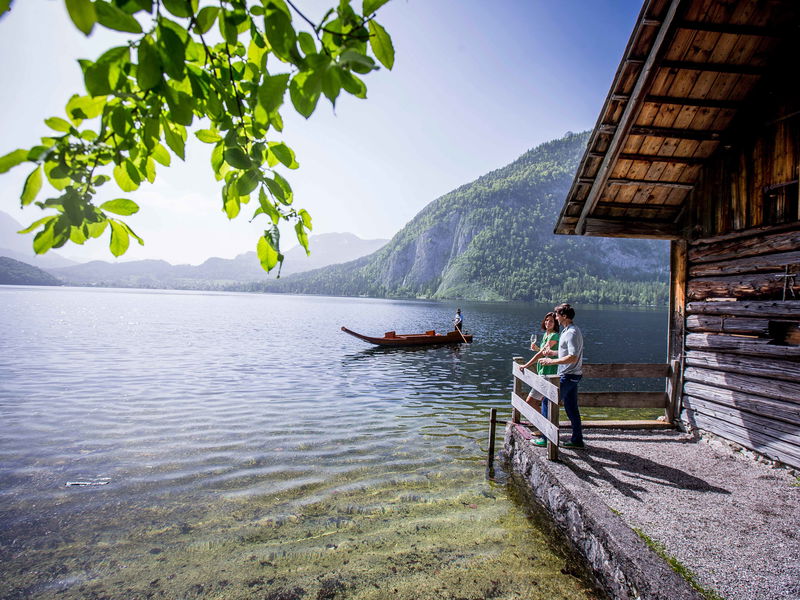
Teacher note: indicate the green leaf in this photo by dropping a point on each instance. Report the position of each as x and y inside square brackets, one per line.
[279, 31]
[84, 107]
[97, 229]
[306, 42]
[288, 195]
[217, 160]
[304, 100]
[331, 84]
[148, 72]
[284, 154]
[120, 206]
[133, 234]
[114, 18]
[208, 136]
[44, 239]
[82, 14]
[248, 182]
[268, 254]
[161, 155]
[381, 44]
[232, 203]
[353, 84]
[271, 92]
[228, 28]
[181, 106]
[123, 178]
[174, 140]
[268, 207]
[12, 159]
[237, 158]
[302, 236]
[32, 186]
[78, 235]
[303, 214]
[276, 190]
[360, 63]
[180, 8]
[36, 224]
[96, 78]
[370, 6]
[172, 50]
[57, 124]
[119, 238]
[55, 175]
[205, 19]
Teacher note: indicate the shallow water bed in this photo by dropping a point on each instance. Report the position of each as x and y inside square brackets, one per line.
[238, 460]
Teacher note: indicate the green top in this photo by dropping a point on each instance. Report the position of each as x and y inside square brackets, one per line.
[548, 369]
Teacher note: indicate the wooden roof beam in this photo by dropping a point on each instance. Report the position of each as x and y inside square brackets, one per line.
[629, 113]
[678, 185]
[698, 102]
[681, 101]
[680, 160]
[637, 228]
[668, 211]
[730, 28]
[665, 132]
[711, 67]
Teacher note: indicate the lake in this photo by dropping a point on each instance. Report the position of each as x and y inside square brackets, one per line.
[158, 444]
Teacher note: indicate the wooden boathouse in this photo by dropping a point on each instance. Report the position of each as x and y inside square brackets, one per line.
[698, 142]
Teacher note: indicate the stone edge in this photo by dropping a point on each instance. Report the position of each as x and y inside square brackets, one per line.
[622, 563]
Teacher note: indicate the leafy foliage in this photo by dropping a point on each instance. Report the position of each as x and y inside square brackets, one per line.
[228, 65]
[492, 240]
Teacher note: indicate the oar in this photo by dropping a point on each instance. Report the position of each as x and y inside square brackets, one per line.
[458, 329]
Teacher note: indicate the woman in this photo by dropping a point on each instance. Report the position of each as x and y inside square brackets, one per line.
[548, 348]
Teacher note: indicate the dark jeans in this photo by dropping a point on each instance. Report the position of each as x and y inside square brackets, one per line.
[569, 398]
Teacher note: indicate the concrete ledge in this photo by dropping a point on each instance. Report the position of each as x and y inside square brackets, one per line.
[619, 559]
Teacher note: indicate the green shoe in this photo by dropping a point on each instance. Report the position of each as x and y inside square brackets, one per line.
[540, 441]
[572, 445]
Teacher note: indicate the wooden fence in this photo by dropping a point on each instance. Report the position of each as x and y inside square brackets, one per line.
[548, 387]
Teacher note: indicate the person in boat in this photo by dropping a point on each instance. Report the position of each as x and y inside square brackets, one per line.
[458, 320]
[569, 361]
[548, 348]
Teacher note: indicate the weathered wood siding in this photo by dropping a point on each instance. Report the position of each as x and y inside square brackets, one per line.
[741, 376]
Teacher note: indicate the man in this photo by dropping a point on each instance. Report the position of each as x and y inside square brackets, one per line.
[458, 320]
[569, 361]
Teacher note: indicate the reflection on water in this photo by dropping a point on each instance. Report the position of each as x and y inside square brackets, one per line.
[252, 449]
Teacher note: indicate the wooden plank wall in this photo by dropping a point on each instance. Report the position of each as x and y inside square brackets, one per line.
[752, 179]
[741, 376]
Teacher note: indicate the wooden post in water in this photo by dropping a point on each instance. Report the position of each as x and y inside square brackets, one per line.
[492, 423]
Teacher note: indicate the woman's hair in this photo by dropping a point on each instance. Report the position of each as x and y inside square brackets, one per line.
[555, 323]
[565, 310]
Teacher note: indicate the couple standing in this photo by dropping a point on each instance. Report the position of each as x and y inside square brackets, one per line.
[567, 365]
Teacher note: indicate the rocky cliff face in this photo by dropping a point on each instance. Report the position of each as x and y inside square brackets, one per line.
[492, 239]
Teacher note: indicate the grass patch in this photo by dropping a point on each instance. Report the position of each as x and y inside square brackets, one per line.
[677, 566]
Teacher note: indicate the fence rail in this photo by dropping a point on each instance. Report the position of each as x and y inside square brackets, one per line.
[548, 387]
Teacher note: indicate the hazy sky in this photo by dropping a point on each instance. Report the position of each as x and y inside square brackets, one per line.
[475, 84]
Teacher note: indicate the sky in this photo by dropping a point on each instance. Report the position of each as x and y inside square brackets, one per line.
[475, 84]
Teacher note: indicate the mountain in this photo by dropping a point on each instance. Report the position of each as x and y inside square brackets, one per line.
[492, 239]
[20, 247]
[216, 273]
[14, 272]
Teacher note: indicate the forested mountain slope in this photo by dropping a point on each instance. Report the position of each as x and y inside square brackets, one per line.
[493, 239]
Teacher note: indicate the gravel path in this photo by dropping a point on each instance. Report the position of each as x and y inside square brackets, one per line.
[733, 522]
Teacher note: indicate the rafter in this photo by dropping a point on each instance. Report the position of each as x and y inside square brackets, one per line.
[730, 28]
[711, 67]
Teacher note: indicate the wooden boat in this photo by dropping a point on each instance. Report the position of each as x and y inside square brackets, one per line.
[429, 338]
